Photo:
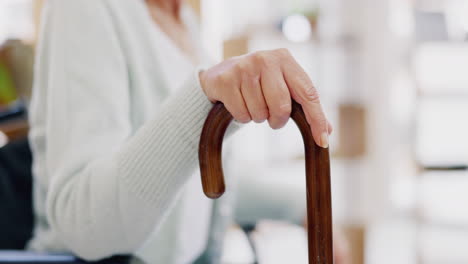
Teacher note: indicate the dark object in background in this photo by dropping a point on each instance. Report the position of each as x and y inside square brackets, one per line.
[14, 121]
[16, 211]
[16, 221]
[15, 110]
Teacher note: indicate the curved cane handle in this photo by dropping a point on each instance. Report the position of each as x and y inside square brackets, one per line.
[319, 214]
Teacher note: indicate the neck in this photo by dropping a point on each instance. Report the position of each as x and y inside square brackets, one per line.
[170, 6]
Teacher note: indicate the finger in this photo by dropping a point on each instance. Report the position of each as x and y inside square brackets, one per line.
[277, 97]
[254, 99]
[236, 106]
[304, 92]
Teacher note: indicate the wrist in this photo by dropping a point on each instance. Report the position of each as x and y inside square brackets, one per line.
[201, 78]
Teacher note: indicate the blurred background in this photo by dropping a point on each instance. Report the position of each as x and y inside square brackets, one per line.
[393, 76]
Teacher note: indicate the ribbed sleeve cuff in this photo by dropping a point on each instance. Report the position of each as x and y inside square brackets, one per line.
[155, 163]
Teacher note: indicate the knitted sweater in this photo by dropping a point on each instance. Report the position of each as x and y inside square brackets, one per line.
[114, 143]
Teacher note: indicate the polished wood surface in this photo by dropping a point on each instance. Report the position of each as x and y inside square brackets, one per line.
[319, 213]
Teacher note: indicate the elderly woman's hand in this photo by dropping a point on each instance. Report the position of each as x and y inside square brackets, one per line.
[260, 85]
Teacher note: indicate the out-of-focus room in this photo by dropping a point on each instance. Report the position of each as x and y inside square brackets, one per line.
[393, 80]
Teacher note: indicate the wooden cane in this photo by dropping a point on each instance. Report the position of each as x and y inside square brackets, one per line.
[319, 213]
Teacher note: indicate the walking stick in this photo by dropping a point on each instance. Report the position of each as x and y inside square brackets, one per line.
[319, 213]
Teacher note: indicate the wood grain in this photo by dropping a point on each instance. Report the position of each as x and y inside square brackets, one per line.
[319, 213]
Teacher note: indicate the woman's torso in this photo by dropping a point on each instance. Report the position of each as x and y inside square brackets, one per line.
[156, 68]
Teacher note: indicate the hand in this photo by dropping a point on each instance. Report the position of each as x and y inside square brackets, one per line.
[259, 86]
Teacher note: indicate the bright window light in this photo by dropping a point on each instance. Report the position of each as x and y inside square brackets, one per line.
[400, 19]
[402, 97]
[439, 244]
[297, 28]
[442, 197]
[16, 19]
[441, 131]
[441, 68]
[457, 20]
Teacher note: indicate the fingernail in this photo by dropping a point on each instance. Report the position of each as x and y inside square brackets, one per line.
[324, 140]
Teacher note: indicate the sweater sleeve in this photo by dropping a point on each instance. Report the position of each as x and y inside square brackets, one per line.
[108, 187]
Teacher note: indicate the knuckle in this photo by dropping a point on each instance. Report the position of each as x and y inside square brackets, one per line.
[319, 120]
[285, 110]
[311, 94]
[260, 56]
[252, 79]
[322, 122]
[223, 78]
[242, 67]
[281, 111]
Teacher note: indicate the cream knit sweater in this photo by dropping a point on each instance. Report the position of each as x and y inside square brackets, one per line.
[113, 146]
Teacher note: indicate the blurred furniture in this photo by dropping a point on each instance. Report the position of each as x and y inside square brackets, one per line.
[441, 145]
[25, 257]
[16, 211]
[15, 129]
[14, 123]
[17, 59]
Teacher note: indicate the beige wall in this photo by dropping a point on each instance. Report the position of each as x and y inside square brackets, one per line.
[37, 15]
[196, 5]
